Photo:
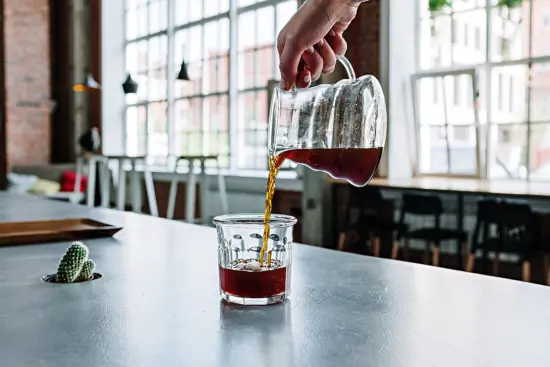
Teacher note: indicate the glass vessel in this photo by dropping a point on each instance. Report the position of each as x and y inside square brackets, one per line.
[339, 129]
[240, 240]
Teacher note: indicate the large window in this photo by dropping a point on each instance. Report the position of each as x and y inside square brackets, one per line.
[509, 51]
[230, 54]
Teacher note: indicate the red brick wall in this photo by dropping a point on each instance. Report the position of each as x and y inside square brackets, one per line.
[363, 38]
[27, 81]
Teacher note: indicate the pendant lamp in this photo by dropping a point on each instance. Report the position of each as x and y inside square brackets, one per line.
[129, 86]
[183, 75]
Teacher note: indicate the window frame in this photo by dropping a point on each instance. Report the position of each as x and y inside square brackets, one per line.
[232, 92]
[436, 75]
[486, 67]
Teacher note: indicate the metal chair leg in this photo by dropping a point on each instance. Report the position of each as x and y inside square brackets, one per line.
[173, 194]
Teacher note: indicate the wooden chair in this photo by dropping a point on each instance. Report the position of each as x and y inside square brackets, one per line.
[426, 206]
[512, 225]
[364, 219]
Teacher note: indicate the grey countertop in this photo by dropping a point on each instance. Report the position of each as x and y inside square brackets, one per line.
[158, 305]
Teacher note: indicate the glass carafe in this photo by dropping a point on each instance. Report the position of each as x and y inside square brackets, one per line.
[339, 129]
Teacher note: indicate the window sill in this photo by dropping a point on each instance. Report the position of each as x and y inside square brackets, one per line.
[289, 174]
[246, 181]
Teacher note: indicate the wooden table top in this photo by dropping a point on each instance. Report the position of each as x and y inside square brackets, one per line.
[465, 185]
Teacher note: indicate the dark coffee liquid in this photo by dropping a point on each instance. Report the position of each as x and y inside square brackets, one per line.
[259, 283]
[356, 165]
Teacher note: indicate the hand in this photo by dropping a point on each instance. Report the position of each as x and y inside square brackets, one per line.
[314, 34]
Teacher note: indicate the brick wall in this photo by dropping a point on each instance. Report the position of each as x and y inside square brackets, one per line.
[363, 38]
[27, 81]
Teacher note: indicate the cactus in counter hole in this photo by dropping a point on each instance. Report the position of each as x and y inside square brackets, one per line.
[72, 262]
[87, 271]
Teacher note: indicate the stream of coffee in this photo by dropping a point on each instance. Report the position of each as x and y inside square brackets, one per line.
[274, 166]
[356, 165]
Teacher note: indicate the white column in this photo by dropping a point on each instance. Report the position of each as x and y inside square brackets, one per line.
[113, 70]
[399, 21]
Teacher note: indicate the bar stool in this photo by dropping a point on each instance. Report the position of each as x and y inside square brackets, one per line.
[135, 183]
[513, 228]
[92, 161]
[427, 206]
[190, 196]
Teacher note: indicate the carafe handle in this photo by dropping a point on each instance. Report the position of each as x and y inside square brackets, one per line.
[347, 65]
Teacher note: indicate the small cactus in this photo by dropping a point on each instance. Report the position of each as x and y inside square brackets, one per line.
[71, 264]
[87, 271]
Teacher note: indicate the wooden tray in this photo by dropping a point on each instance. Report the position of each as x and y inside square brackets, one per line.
[19, 233]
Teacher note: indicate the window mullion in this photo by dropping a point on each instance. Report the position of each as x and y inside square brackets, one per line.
[170, 76]
[233, 86]
[529, 91]
[488, 86]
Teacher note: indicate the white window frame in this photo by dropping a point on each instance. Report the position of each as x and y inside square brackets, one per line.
[435, 75]
[233, 91]
[485, 67]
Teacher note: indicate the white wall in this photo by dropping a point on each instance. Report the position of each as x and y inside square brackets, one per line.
[398, 62]
[113, 74]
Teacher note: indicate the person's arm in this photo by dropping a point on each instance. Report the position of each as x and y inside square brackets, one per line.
[314, 34]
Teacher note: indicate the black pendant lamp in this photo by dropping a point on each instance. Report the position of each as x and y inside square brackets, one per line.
[129, 86]
[89, 84]
[182, 75]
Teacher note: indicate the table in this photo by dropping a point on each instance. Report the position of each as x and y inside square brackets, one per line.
[158, 305]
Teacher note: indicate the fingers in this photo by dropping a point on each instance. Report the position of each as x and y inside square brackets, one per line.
[290, 57]
[314, 63]
[320, 59]
[337, 42]
[304, 79]
[326, 53]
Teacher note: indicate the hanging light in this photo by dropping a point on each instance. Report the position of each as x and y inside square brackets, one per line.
[129, 86]
[88, 84]
[182, 75]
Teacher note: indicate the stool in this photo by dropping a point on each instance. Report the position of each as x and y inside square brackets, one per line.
[92, 160]
[135, 183]
[190, 196]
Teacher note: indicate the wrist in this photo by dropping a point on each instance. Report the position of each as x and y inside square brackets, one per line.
[354, 2]
[332, 3]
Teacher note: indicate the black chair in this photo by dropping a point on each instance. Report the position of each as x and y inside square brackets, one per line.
[426, 206]
[503, 227]
[364, 219]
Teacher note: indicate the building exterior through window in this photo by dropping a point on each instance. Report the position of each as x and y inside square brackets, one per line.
[510, 51]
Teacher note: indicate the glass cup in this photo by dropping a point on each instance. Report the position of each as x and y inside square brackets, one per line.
[244, 279]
